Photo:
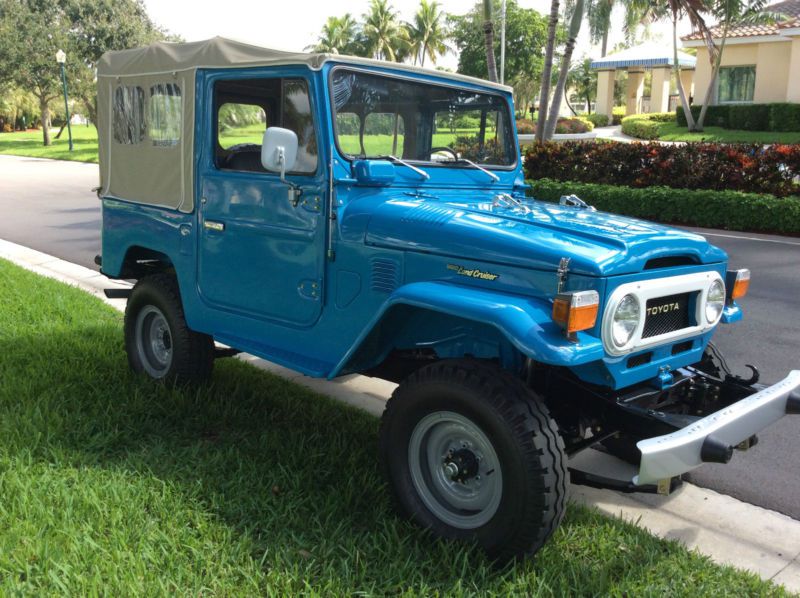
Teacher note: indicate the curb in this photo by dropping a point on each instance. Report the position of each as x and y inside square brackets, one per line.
[727, 530]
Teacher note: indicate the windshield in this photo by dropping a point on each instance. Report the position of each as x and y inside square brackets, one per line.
[378, 116]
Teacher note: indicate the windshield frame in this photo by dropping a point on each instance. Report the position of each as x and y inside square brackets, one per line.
[425, 163]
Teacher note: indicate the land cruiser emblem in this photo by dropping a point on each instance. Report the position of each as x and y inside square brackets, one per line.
[472, 272]
[663, 308]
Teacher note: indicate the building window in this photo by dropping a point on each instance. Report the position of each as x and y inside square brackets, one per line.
[128, 115]
[736, 84]
[165, 114]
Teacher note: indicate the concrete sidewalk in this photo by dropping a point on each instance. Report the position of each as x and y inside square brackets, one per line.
[729, 531]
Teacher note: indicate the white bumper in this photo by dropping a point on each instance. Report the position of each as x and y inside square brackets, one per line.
[676, 453]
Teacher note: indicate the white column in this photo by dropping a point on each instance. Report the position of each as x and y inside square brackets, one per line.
[659, 90]
[633, 92]
[605, 92]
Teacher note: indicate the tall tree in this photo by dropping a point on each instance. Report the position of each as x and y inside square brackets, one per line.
[339, 35]
[566, 60]
[582, 79]
[427, 32]
[550, 48]
[384, 36]
[526, 32]
[31, 32]
[488, 37]
[728, 13]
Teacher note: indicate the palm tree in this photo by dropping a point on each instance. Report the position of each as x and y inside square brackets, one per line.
[566, 59]
[488, 38]
[338, 36]
[384, 36]
[599, 14]
[544, 95]
[427, 32]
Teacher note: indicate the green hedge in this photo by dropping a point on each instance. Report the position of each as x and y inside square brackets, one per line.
[598, 120]
[748, 117]
[730, 210]
[645, 126]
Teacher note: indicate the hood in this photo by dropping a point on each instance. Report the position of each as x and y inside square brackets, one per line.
[534, 235]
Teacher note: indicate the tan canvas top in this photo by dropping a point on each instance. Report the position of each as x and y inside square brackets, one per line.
[145, 100]
[219, 52]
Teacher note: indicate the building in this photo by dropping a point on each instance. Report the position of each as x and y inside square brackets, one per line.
[760, 63]
[656, 58]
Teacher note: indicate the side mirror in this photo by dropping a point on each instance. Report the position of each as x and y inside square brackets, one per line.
[279, 150]
[278, 154]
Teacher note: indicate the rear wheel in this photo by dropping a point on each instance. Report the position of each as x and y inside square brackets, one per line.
[157, 339]
[472, 454]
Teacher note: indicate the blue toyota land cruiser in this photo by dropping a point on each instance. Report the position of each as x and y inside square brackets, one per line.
[338, 215]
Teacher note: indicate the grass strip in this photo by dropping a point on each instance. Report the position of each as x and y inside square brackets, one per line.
[111, 484]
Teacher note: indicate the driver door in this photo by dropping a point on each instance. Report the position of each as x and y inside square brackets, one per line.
[259, 254]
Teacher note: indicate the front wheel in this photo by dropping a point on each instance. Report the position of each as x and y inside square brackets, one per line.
[157, 339]
[472, 454]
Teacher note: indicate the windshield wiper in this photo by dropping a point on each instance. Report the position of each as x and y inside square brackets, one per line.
[492, 175]
[425, 176]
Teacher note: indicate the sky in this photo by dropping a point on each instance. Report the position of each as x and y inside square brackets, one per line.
[295, 24]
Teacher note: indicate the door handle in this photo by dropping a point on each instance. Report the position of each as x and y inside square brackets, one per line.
[214, 225]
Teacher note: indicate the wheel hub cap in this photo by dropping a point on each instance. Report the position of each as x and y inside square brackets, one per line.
[455, 469]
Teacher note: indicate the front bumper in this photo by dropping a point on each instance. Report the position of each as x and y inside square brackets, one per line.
[664, 457]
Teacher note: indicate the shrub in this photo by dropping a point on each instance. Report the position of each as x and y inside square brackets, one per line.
[598, 120]
[526, 126]
[784, 117]
[716, 116]
[617, 114]
[640, 126]
[748, 117]
[713, 209]
[563, 126]
[737, 167]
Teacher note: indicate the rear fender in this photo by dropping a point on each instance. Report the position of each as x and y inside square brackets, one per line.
[457, 321]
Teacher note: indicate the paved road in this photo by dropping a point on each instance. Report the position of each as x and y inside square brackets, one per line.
[48, 205]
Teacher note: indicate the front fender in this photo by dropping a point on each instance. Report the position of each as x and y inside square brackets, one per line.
[524, 321]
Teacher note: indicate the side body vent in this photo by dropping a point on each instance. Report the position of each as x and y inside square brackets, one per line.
[385, 275]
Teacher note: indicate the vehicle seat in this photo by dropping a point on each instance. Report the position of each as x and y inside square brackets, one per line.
[246, 156]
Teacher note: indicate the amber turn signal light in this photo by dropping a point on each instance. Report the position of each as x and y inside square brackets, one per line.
[576, 311]
[738, 283]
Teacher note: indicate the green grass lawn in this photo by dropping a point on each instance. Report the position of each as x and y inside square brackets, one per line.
[29, 143]
[111, 484]
[673, 132]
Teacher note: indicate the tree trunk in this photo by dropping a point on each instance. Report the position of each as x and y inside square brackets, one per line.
[544, 96]
[676, 68]
[713, 82]
[604, 47]
[574, 29]
[45, 110]
[488, 37]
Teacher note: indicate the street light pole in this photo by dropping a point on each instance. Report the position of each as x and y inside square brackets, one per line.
[61, 58]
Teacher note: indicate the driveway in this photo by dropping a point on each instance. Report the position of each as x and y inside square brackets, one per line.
[49, 206]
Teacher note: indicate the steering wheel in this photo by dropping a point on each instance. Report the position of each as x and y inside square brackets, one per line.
[449, 150]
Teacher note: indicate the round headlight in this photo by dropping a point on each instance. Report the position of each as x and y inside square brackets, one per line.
[626, 319]
[715, 301]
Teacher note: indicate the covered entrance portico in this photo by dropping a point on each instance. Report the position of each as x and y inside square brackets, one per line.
[637, 61]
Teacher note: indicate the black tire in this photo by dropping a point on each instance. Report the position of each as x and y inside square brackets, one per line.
[523, 436]
[154, 311]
